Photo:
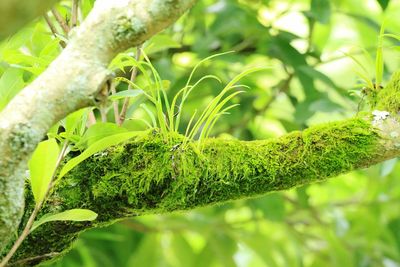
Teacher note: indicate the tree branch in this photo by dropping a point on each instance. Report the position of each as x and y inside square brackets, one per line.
[150, 175]
[71, 82]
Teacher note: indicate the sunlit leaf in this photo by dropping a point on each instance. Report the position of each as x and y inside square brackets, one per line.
[76, 215]
[96, 147]
[11, 83]
[161, 42]
[387, 167]
[321, 10]
[42, 167]
[126, 93]
[98, 131]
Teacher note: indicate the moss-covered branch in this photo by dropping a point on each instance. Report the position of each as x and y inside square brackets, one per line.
[150, 175]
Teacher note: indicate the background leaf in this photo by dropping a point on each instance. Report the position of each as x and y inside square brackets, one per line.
[321, 10]
[11, 83]
[384, 4]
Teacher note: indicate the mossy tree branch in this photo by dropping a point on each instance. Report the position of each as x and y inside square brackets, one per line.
[151, 175]
[74, 80]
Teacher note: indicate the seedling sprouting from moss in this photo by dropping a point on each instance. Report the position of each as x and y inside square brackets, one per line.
[370, 88]
[167, 115]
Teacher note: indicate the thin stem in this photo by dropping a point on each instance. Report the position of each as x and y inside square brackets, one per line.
[103, 113]
[35, 211]
[91, 119]
[74, 13]
[115, 104]
[74, 23]
[133, 78]
[60, 21]
[53, 29]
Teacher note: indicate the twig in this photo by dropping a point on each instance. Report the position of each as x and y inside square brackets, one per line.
[60, 21]
[74, 14]
[103, 113]
[91, 119]
[115, 104]
[53, 29]
[133, 77]
[35, 211]
[102, 98]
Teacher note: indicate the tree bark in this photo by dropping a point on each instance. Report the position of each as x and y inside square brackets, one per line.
[73, 81]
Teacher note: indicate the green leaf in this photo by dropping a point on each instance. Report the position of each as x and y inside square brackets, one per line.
[324, 105]
[76, 215]
[394, 227]
[224, 247]
[126, 93]
[272, 206]
[161, 42]
[383, 3]
[11, 83]
[149, 252]
[303, 197]
[98, 131]
[387, 167]
[316, 75]
[96, 147]
[379, 64]
[321, 10]
[73, 120]
[42, 167]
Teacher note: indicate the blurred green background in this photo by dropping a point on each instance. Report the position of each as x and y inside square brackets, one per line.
[352, 220]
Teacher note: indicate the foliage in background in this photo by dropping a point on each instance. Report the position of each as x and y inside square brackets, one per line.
[316, 49]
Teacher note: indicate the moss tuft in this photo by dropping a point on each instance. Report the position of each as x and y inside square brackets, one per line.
[389, 97]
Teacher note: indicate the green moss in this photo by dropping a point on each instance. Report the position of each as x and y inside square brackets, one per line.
[389, 97]
[150, 175]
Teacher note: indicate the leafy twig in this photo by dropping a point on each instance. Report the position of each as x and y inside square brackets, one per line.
[53, 29]
[60, 21]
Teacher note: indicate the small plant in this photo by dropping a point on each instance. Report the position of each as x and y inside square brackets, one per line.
[167, 115]
[371, 86]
